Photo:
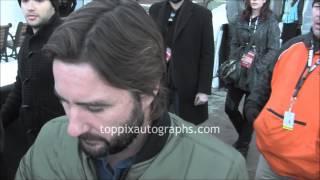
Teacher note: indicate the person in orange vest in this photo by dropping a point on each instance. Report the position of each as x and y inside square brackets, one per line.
[287, 128]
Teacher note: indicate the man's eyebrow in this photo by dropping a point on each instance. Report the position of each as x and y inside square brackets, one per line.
[94, 103]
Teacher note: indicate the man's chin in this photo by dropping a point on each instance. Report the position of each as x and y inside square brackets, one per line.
[94, 149]
[34, 24]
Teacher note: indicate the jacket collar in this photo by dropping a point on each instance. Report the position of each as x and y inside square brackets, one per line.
[153, 145]
[46, 30]
[316, 44]
[310, 37]
[154, 142]
[183, 17]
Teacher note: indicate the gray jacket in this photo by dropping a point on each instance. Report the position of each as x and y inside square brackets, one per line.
[267, 42]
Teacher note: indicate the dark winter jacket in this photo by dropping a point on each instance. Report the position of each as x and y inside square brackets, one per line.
[1, 138]
[192, 55]
[32, 98]
[267, 42]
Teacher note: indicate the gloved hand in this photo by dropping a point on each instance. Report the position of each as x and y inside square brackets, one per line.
[251, 114]
[200, 99]
[1, 136]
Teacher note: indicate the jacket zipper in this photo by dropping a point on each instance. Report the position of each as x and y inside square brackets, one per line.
[281, 116]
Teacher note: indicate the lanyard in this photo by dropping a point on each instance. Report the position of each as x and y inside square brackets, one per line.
[254, 31]
[309, 68]
[255, 24]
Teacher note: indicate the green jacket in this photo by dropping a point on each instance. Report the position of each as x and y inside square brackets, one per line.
[55, 155]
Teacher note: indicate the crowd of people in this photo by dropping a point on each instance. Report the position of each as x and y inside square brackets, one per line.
[111, 64]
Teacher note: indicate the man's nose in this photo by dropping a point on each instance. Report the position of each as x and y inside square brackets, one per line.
[29, 5]
[76, 125]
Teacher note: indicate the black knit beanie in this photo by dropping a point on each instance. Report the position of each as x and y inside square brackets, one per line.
[55, 4]
[315, 1]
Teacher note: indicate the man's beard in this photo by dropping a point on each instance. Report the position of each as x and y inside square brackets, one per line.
[118, 142]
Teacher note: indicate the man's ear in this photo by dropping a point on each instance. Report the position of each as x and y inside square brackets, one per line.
[146, 100]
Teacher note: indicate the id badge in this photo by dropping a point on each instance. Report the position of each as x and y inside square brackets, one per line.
[247, 59]
[288, 120]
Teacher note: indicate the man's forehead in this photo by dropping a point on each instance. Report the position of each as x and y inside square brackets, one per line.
[81, 70]
[40, 1]
[71, 67]
[69, 62]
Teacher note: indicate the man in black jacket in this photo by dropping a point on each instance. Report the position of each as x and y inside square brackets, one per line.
[32, 99]
[188, 34]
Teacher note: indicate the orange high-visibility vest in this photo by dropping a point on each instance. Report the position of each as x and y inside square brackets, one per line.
[293, 153]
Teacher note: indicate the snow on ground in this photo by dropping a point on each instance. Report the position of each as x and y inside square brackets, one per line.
[8, 72]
